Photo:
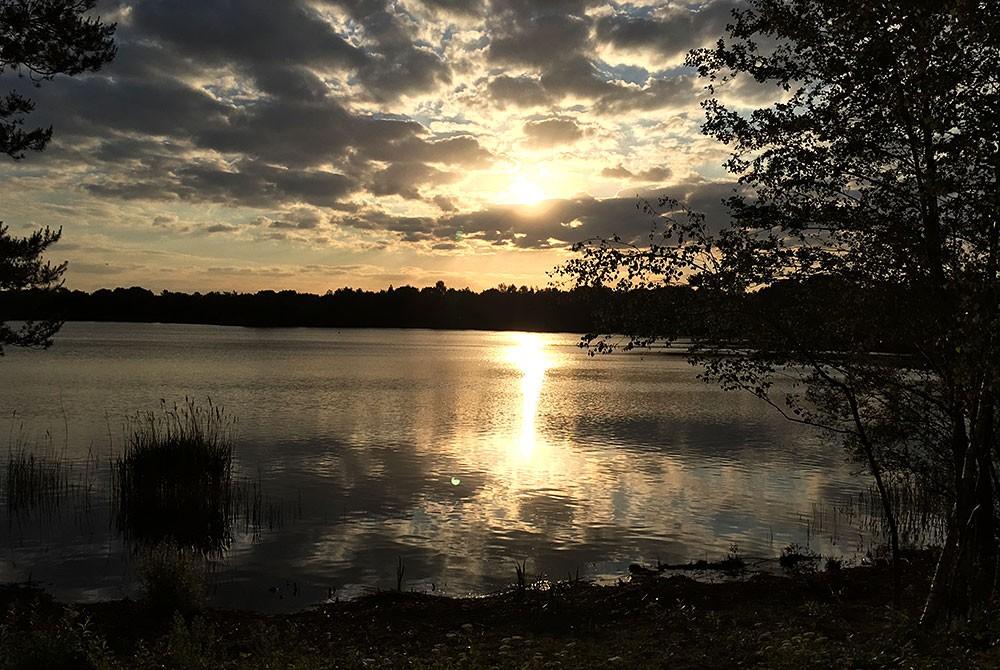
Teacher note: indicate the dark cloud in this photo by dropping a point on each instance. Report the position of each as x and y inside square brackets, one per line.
[99, 105]
[397, 65]
[538, 40]
[675, 91]
[246, 183]
[518, 91]
[445, 204]
[299, 219]
[457, 150]
[405, 179]
[460, 7]
[549, 132]
[220, 228]
[670, 34]
[281, 45]
[651, 174]
[248, 33]
[559, 49]
[145, 131]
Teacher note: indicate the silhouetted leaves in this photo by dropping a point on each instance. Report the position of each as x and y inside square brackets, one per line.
[40, 39]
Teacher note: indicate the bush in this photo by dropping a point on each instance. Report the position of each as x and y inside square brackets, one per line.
[797, 559]
[173, 580]
[31, 639]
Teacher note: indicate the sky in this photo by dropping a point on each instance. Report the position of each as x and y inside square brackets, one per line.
[316, 144]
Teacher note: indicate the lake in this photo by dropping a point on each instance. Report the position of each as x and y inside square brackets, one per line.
[457, 452]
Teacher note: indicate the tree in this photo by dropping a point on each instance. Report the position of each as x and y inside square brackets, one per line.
[40, 39]
[856, 286]
[22, 268]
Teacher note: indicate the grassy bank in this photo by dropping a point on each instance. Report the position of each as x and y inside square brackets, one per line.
[835, 619]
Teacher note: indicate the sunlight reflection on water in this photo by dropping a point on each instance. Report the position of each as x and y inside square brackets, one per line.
[458, 451]
[529, 354]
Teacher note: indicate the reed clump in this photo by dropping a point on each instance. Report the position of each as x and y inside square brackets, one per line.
[32, 481]
[173, 482]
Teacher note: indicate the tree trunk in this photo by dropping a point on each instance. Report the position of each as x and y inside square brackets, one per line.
[965, 575]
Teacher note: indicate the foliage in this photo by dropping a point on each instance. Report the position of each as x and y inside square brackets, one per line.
[41, 39]
[32, 638]
[173, 580]
[873, 180]
[796, 559]
[22, 268]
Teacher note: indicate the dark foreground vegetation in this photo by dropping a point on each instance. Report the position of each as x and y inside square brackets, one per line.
[838, 618]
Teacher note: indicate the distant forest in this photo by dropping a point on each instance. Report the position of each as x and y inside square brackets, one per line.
[678, 311]
[502, 308]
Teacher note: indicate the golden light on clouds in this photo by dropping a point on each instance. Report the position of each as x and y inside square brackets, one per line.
[393, 143]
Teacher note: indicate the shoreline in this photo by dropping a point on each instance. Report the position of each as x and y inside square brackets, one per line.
[833, 618]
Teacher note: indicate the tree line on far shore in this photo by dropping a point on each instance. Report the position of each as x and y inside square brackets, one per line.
[502, 308]
[679, 310]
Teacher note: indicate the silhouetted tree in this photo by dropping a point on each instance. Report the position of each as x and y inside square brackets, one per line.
[22, 267]
[38, 40]
[869, 198]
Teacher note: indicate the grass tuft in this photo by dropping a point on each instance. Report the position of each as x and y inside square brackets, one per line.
[173, 483]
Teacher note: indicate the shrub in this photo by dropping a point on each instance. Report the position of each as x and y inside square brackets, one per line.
[797, 559]
[173, 580]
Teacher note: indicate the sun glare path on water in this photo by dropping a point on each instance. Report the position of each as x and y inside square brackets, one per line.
[528, 355]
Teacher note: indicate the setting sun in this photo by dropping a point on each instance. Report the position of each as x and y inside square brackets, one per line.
[524, 190]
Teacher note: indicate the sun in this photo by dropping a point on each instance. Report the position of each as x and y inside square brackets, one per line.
[524, 191]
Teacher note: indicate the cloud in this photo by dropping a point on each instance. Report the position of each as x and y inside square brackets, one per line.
[299, 218]
[552, 224]
[397, 65]
[536, 38]
[659, 173]
[283, 45]
[248, 183]
[221, 228]
[670, 32]
[459, 7]
[365, 126]
[519, 91]
[445, 203]
[549, 132]
[405, 179]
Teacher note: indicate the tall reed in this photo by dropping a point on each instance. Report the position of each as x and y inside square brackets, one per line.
[33, 481]
[173, 482]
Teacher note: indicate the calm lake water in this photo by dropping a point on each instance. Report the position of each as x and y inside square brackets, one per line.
[458, 451]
